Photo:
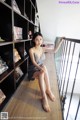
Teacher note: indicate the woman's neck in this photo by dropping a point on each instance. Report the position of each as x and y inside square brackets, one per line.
[38, 47]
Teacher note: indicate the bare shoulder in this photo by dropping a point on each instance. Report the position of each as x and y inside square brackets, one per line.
[31, 50]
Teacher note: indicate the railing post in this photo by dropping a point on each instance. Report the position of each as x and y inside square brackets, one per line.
[73, 85]
[65, 50]
[77, 110]
[63, 97]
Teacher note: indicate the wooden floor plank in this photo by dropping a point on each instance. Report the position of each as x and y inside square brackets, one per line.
[26, 104]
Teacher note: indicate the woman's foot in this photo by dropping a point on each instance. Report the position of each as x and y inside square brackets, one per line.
[45, 105]
[51, 95]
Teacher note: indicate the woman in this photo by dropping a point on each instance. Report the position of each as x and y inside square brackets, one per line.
[38, 70]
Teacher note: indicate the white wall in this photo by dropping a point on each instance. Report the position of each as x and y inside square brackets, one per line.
[68, 20]
[59, 19]
[47, 17]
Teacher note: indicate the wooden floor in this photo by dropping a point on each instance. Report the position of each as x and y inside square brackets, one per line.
[25, 103]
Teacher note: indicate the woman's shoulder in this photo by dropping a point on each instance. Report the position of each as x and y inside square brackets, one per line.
[31, 49]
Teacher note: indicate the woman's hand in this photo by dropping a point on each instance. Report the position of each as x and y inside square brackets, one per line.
[42, 69]
[62, 39]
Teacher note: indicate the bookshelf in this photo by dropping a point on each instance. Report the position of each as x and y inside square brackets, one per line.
[17, 19]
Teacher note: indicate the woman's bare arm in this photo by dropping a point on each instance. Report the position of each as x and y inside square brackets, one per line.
[58, 45]
[52, 49]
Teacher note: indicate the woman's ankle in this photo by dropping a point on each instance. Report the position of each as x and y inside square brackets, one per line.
[51, 95]
[44, 96]
[48, 90]
[45, 104]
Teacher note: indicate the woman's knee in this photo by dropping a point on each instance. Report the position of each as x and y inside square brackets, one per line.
[41, 73]
[44, 67]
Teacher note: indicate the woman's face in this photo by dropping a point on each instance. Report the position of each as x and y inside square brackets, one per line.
[38, 40]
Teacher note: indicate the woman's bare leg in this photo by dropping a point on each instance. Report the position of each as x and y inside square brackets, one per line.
[41, 81]
[47, 82]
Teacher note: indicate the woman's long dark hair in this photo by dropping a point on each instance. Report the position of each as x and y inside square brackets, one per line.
[36, 34]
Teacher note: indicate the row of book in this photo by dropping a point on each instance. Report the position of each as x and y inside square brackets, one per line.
[18, 31]
[3, 64]
[18, 34]
[15, 6]
[18, 71]
[17, 56]
[18, 74]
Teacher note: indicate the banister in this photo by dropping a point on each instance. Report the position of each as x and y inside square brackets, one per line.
[72, 40]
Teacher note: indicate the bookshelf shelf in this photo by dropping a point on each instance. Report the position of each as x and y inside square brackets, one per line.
[17, 19]
[5, 74]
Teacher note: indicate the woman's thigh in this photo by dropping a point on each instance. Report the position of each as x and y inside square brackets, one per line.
[36, 74]
[44, 67]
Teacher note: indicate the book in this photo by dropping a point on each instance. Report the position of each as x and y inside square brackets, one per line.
[15, 6]
[1, 40]
[16, 56]
[8, 58]
[25, 53]
[2, 96]
[17, 33]
[3, 66]
[21, 51]
[18, 73]
[3, 0]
